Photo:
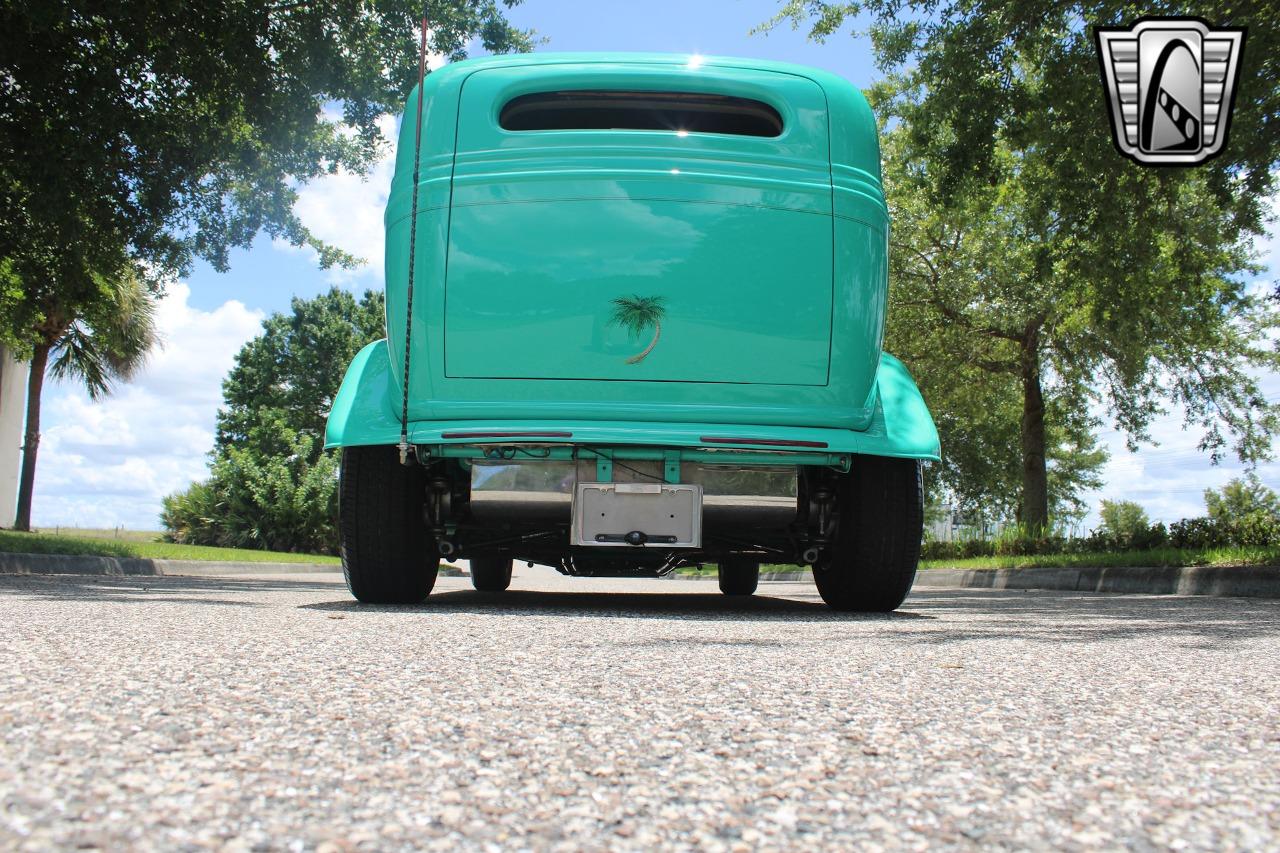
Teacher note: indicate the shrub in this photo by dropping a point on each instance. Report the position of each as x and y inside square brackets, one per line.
[1017, 541]
[1257, 529]
[1197, 533]
[960, 549]
[271, 484]
[1241, 497]
[274, 503]
[1125, 527]
[1155, 536]
[1123, 520]
[190, 517]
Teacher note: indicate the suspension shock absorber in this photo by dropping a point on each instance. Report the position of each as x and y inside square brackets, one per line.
[822, 499]
[438, 510]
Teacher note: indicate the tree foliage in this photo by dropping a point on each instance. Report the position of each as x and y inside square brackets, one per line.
[109, 342]
[1027, 249]
[291, 372]
[272, 486]
[1241, 497]
[136, 137]
[143, 135]
[1027, 71]
[978, 416]
[1123, 518]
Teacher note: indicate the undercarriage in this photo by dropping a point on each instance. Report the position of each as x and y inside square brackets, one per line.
[630, 511]
[519, 501]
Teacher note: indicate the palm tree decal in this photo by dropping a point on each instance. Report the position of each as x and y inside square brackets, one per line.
[637, 313]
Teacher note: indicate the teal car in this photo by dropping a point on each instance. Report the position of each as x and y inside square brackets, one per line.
[642, 331]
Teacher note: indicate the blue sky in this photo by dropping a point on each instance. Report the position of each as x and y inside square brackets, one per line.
[109, 463]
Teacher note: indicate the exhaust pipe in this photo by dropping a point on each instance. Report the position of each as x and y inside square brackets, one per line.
[810, 556]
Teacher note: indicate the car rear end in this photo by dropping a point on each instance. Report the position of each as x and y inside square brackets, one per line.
[648, 329]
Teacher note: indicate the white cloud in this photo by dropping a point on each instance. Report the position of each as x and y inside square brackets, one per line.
[109, 462]
[345, 210]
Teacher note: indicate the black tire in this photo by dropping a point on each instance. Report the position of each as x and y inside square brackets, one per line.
[388, 555]
[490, 573]
[872, 563]
[738, 576]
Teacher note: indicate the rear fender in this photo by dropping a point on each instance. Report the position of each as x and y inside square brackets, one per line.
[367, 412]
[364, 412]
[901, 425]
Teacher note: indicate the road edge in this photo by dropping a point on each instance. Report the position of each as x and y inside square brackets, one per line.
[1224, 581]
[87, 564]
[90, 564]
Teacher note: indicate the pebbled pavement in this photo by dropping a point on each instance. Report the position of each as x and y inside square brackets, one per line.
[257, 713]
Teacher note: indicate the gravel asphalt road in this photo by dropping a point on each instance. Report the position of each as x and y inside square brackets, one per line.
[275, 713]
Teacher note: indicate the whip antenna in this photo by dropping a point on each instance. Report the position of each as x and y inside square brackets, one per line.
[413, 239]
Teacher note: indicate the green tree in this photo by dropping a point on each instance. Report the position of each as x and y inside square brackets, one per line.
[271, 485]
[156, 132]
[1124, 519]
[637, 313]
[1027, 70]
[105, 344]
[1125, 527]
[136, 137]
[978, 418]
[1240, 497]
[292, 371]
[1026, 247]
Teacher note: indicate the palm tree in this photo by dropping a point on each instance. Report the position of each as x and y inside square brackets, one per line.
[637, 313]
[107, 343]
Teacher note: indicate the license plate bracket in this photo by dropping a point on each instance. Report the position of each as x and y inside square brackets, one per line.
[629, 515]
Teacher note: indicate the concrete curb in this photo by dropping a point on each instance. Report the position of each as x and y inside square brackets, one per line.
[201, 568]
[785, 577]
[1227, 581]
[1232, 581]
[61, 564]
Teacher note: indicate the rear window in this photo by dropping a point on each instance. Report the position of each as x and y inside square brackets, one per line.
[617, 110]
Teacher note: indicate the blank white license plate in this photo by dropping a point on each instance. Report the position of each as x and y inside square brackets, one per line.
[629, 515]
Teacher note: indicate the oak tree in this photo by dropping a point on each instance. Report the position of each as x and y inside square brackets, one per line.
[1026, 247]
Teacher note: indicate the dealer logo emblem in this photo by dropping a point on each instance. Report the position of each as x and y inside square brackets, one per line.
[1170, 86]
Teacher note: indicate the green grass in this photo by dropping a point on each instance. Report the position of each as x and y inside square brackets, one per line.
[104, 533]
[1140, 559]
[130, 546]
[1155, 557]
